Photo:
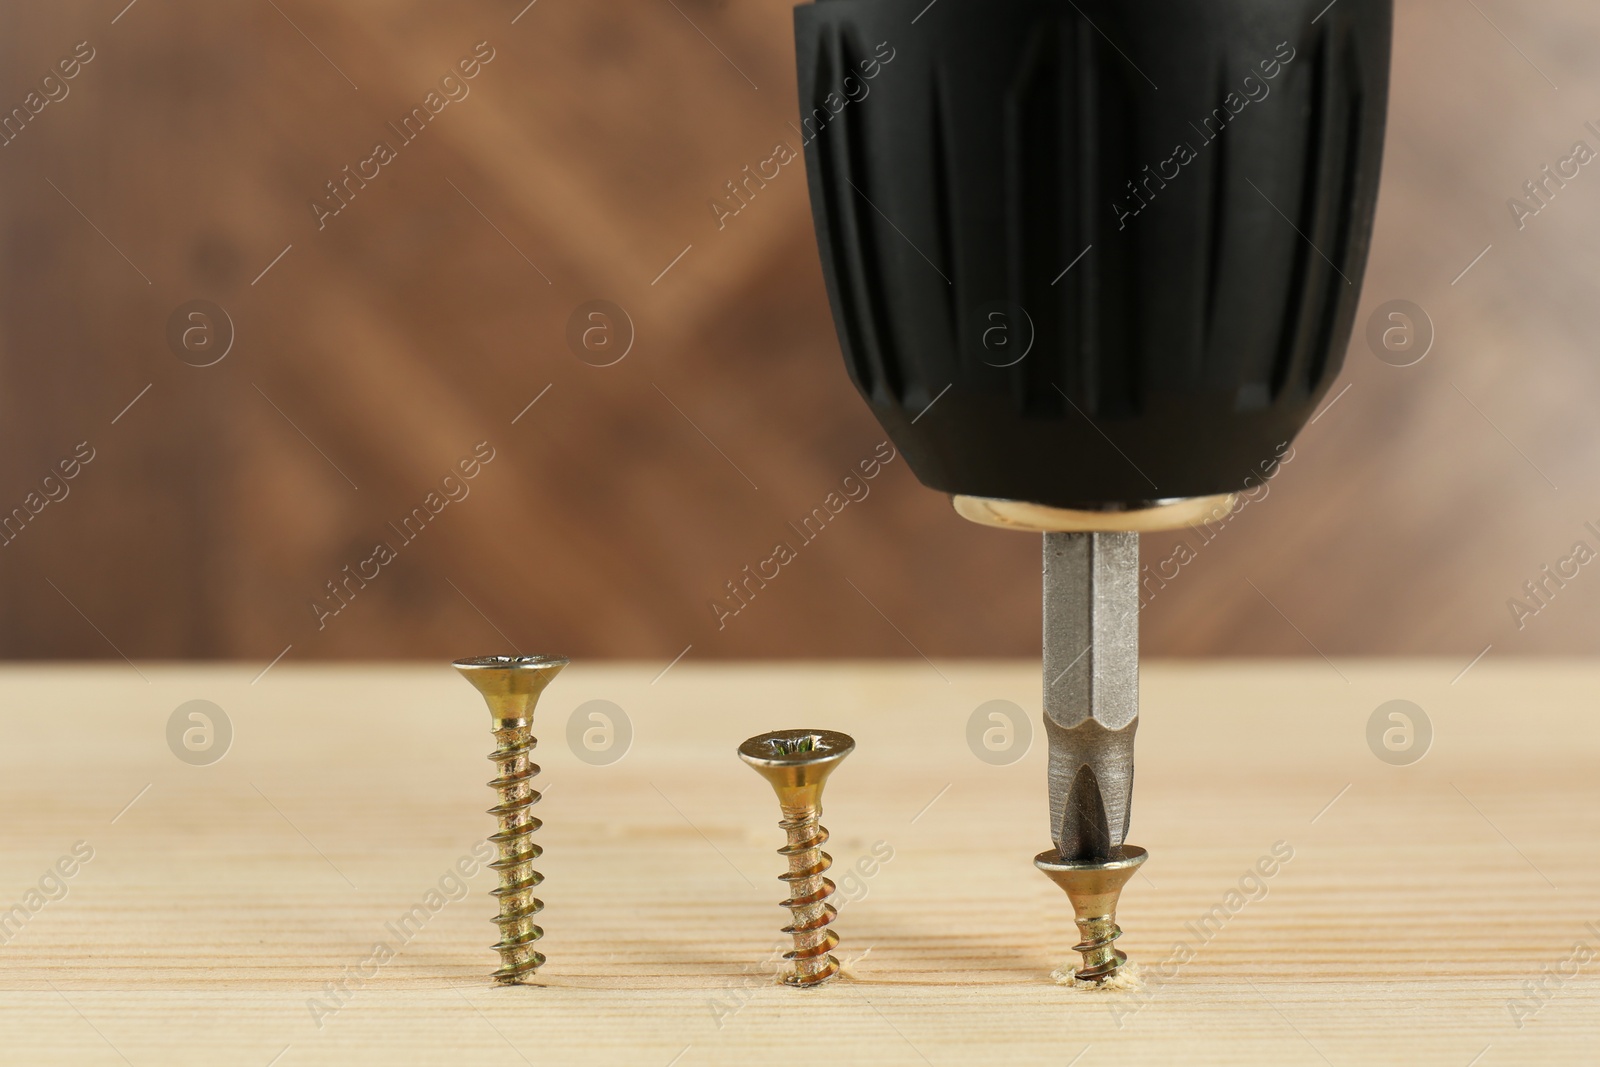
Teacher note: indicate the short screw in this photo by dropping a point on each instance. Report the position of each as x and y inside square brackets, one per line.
[511, 686]
[797, 764]
[1094, 887]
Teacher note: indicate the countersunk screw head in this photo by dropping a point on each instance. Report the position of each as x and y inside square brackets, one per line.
[511, 684]
[797, 762]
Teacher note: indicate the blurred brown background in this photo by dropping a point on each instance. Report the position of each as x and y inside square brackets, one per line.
[378, 350]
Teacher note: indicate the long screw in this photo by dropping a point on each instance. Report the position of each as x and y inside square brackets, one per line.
[511, 686]
[797, 764]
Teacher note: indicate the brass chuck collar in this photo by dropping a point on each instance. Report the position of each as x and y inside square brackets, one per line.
[1145, 517]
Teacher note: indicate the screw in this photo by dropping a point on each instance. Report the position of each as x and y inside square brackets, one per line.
[511, 686]
[1093, 886]
[797, 764]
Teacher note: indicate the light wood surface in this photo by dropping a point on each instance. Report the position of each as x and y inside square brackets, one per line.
[1417, 902]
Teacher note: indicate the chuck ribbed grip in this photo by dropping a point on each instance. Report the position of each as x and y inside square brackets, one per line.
[1117, 245]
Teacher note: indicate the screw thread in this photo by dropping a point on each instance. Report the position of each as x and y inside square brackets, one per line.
[809, 891]
[1101, 958]
[518, 958]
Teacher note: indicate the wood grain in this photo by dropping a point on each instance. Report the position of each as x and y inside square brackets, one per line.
[216, 907]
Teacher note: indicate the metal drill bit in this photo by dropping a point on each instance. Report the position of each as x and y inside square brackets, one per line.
[1091, 688]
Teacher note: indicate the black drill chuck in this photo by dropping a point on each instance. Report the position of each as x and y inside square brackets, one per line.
[1097, 252]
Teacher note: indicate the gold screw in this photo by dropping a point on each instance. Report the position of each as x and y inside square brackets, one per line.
[1094, 887]
[511, 686]
[797, 764]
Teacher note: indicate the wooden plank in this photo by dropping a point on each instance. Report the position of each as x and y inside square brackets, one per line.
[219, 903]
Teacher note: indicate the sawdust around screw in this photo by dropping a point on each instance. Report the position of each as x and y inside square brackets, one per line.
[847, 966]
[1126, 980]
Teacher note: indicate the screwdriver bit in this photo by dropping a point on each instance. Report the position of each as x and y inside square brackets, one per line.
[1091, 687]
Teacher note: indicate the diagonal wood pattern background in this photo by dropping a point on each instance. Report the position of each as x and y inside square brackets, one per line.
[373, 350]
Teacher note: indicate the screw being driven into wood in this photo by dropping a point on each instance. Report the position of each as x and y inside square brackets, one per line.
[1093, 886]
[511, 686]
[797, 764]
